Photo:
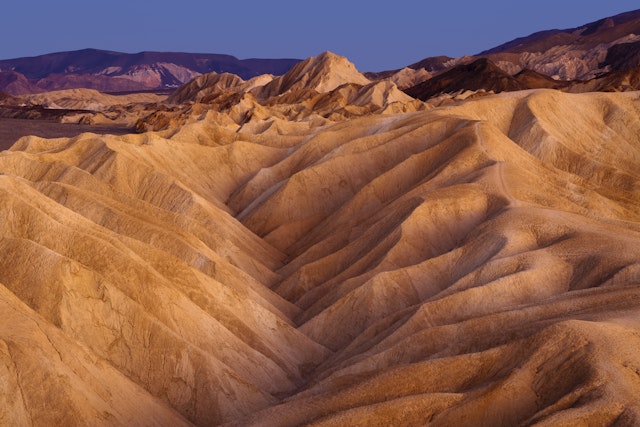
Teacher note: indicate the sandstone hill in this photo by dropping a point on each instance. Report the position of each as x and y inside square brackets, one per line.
[330, 252]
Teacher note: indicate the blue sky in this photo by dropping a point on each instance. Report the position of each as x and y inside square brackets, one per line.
[375, 36]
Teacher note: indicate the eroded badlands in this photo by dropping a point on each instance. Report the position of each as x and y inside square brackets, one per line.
[471, 264]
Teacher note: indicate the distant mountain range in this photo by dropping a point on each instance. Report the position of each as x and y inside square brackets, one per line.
[543, 59]
[115, 72]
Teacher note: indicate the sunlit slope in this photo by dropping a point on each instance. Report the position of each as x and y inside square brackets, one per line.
[479, 234]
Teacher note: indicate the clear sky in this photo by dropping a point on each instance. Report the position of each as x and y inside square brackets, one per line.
[374, 35]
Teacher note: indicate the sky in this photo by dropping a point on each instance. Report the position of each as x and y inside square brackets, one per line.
[375, 36]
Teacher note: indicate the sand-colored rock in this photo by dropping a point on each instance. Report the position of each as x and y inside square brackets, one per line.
[321, 73]
[48, 379]
[204, 85]
[209, 85]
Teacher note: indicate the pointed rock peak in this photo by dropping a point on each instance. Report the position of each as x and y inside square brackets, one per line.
[479, 67]
[331, 65]
[325, 58]
[322, 73]
[482, 64]
[329, 58]
[327, 55]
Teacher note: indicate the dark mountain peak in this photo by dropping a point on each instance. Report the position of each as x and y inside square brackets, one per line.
[482, 65]
[433, 64]
[534, 80]
[481, 74]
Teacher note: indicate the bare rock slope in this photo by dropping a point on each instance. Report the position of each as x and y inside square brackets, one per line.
[471, 264]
